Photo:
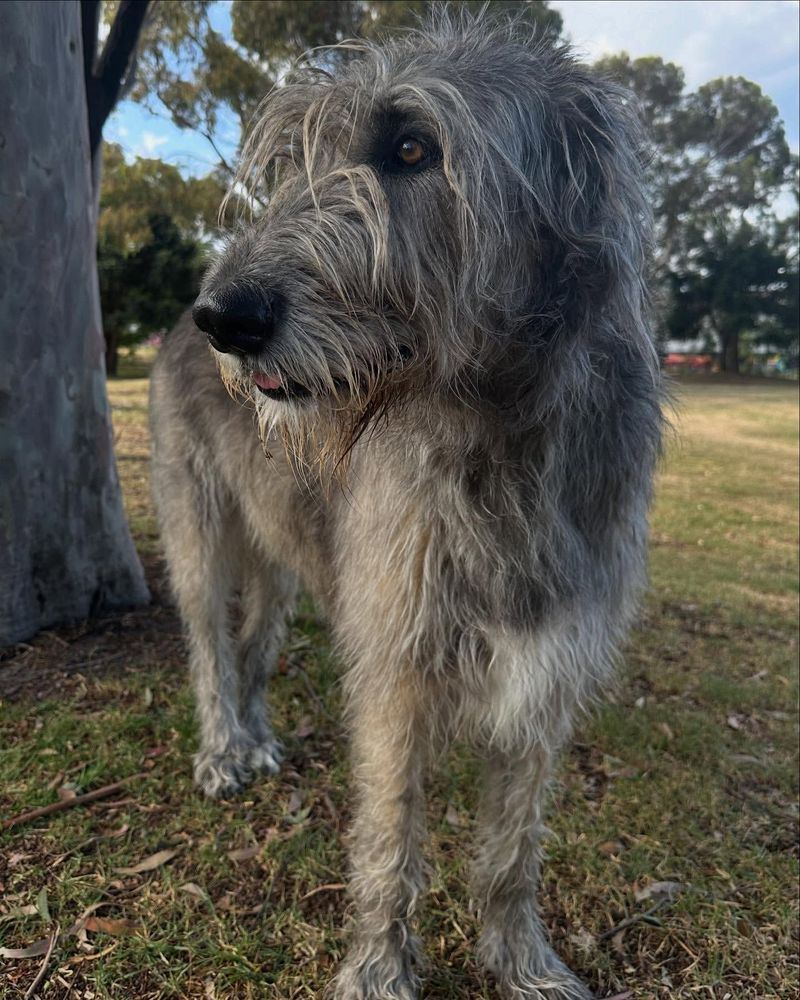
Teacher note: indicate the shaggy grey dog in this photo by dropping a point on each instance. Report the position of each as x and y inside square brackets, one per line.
[438, 322]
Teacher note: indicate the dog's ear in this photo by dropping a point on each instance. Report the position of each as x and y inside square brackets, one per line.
[593, 218]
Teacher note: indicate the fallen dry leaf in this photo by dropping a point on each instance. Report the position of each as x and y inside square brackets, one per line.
[305, 727]
[19, 911]
[295, 800]
[454, 818]
[611, 847]
[110, 925]
[55, 782]
[78, 929]
[32, 951]
[328, 887]
[193, 889]
[244, 853]
[658, 891]
[77, 959]
[151, 863]
[120, 831]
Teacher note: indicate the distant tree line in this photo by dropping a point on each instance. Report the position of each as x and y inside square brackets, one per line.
[726, 265]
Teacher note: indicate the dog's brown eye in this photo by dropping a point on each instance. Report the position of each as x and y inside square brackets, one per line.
[411, 152]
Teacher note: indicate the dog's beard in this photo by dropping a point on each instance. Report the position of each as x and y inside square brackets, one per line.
[318, 421]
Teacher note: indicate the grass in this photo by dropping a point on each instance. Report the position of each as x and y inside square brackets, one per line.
[688, 777]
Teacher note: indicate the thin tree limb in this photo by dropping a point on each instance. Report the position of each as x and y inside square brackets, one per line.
[78, 800]
[104, 84]
[43, 967]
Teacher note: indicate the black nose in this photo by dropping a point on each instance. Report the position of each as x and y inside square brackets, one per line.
[238, 320]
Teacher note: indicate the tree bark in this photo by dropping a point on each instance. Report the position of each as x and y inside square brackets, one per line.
[729, 356]
[112, 351]
[65, 548]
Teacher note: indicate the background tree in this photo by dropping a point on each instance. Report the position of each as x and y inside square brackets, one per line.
[145, 290]
[65, 549]
[740, 282]
[719, 161]
[154, 228]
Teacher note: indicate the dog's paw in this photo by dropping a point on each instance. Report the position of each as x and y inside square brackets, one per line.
[375, 976]
[530, 971]
[223, 774]
[553, 985]
[265, 757]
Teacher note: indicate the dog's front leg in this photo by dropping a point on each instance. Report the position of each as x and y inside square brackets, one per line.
[514, 943]
[388, 872]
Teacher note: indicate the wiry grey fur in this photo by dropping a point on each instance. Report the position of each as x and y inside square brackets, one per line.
[466, 491]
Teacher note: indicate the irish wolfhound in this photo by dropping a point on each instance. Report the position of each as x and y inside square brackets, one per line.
[439, 321]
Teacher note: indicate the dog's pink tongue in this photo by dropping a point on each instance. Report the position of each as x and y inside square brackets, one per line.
[266, 381]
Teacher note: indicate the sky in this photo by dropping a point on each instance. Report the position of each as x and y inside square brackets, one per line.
[757, 39]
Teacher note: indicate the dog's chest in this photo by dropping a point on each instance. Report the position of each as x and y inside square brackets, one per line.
[432, 555]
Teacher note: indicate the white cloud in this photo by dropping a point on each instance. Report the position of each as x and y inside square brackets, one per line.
[150, 142]
[706, 38]
[758, 39]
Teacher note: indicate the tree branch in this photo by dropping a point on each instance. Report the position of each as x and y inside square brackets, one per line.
[78, 800]
[104, 84]
[90, 22]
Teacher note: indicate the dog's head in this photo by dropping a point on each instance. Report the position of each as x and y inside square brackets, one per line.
[434, 211]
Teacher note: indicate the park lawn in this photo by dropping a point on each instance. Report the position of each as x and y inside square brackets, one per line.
[671, 868]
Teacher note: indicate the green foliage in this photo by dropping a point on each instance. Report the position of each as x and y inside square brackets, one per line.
[741, 279]
[131, 192]
[146, 289]
[718, 149]
[152, 228]
[719, 160]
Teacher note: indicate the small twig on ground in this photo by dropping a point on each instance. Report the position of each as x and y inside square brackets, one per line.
[637, 918]
[99, 661]
[78, 800]
[43, 967]
[313, 692]
[330, 887]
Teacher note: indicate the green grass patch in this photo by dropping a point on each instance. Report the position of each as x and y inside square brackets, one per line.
[688, 776]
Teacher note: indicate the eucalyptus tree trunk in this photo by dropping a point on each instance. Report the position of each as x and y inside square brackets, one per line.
[729, 355]
[65, 548]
